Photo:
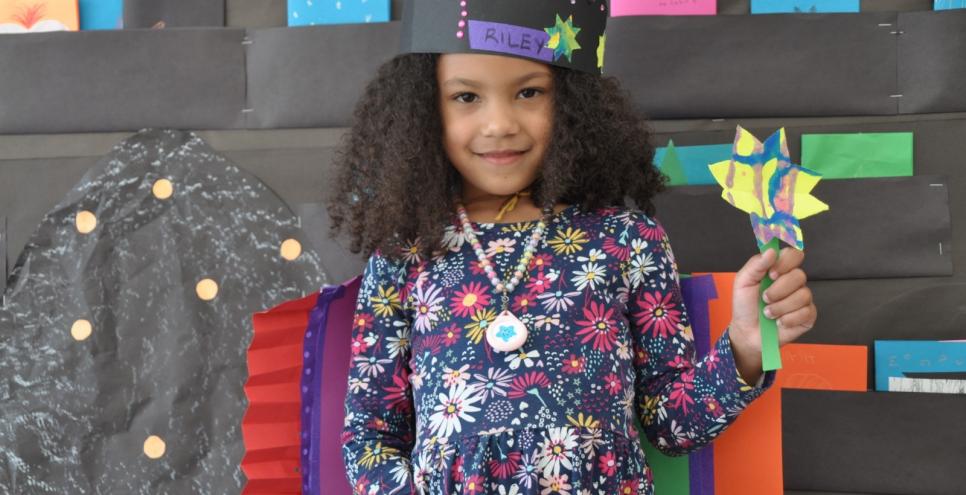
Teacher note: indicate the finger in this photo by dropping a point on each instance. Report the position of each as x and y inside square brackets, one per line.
[785, 285]
[794, 325]
[754, 270]
[796, 300]
[789, 259]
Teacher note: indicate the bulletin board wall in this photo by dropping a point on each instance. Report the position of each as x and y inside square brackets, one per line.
[264, 97]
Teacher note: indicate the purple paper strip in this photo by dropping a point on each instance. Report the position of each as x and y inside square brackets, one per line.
[696, 292]
[702, 471]
[510, 39]
[312, 343]
[324, 386]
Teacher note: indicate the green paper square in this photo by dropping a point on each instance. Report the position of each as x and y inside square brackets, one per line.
[849, 156]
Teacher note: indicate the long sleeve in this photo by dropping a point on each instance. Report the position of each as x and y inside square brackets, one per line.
[379, 431]
[682, 404]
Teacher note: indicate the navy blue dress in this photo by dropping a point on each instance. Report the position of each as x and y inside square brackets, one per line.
[433, 409]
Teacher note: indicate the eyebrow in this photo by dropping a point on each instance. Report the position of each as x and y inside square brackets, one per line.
[474, 84]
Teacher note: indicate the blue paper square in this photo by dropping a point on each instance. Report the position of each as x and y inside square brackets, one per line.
[313, 12]
[101, 14]
[949, 4]
[895, 358]
[803, 6]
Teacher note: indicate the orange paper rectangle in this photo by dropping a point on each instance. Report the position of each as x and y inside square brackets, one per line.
[825, 367]
[24, 16]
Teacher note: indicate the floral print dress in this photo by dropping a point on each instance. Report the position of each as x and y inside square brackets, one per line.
[431, 408]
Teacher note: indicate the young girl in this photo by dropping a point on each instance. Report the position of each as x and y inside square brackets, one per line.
[515, 318]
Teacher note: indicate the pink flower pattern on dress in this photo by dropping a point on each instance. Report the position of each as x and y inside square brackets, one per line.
[658, 314]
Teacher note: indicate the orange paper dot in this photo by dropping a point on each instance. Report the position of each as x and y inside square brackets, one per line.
[163, 189]
[154, 447]
[207, 289]
[86, 222]
[291, 249]
[80, 330]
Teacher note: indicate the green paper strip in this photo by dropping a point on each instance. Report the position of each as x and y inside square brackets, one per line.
[672, 474]
[847, 156]
[771, 358]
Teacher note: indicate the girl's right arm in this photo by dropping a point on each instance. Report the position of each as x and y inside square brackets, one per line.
[379, 430]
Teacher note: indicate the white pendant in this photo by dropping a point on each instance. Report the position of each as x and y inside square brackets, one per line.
[507, 333]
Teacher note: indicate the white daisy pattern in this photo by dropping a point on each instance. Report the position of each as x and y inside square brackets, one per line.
[453, 409]
[427, 304]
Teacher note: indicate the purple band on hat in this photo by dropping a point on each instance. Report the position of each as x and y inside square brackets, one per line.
[510, 39]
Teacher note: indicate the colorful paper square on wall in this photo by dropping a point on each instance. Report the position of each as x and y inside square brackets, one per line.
[825, 367]
[663, 7]
[859, 155]
[101, 14]
[803, 6]
[34, 16]
[314, 12]
[689, 164]
[919, 366]
[949, 4]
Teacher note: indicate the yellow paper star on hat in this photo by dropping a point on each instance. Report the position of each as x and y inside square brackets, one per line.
[600, 51]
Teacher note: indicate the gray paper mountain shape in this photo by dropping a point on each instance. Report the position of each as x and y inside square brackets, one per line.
[75, 414]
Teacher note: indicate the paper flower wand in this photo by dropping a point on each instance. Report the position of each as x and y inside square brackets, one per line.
[761, 180]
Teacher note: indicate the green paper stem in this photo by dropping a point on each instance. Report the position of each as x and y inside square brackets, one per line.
[771, 358]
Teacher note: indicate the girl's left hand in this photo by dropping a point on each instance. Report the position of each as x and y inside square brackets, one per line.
[788, 300]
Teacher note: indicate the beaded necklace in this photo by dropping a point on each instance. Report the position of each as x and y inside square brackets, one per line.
[507, 333]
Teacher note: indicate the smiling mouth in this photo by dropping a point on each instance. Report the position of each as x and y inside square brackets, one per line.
[503, 157]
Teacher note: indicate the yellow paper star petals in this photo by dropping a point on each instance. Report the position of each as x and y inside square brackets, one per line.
[761, 180]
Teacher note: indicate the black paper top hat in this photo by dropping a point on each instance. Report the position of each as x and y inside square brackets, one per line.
[566, 33]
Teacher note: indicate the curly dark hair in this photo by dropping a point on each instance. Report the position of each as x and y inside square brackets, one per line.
[394, 183]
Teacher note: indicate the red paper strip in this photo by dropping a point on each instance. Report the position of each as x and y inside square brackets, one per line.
[271, 424]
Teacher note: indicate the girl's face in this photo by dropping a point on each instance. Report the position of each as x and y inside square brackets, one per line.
[497, 115]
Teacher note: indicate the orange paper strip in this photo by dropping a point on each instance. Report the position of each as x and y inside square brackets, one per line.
[748, 456]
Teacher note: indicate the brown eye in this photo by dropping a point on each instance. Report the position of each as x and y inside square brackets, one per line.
[530, 92]
[466, 97]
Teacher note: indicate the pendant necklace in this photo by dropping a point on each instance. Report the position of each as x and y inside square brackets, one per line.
[506, 333]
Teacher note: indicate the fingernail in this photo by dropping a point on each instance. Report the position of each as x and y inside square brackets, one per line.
[773, 274]
[768, 313]
[764, 297]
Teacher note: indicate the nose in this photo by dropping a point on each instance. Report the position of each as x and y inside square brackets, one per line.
[499, 121]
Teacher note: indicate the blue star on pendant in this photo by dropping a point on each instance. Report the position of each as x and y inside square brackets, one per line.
[506, 332]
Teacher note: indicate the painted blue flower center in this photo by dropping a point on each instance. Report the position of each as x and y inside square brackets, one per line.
[506, 332]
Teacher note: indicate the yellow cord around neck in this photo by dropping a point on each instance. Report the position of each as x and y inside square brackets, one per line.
[510, 204]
